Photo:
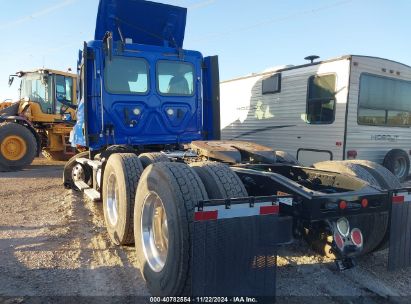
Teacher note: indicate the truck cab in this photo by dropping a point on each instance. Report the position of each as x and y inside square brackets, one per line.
[141, 87]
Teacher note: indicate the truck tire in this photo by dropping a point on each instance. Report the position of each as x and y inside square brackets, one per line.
[151, 158]
[121, 176]
[171, 190]
[55, 155]
[287, 158]
[18, 146]
[398, 162]
[347, 168]
[68, 169]
[374, 226]
[385, 178]
[219, 180]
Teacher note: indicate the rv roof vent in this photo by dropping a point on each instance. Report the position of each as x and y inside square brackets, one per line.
[312, 58]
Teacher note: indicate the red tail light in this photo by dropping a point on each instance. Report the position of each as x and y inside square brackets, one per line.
[352, 154]
[342, 205]
[364, 203]
[338, 241]
[356, 237]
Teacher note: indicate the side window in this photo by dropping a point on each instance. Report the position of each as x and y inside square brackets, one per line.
[384, 101]
[271, 84]
[321, 99]
[60, 88]
[69, 89]
[64, 91]
[175, 78]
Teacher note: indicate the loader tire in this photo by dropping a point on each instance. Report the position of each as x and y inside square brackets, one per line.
[121, 176]
[172, 189]
[18, 147]
[151, 158]
[55, 155]
[219, 180]
[68, 168]
[373, 226]
[287, 158]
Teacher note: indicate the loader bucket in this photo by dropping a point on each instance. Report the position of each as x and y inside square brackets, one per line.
[235, 247]
[400, 230]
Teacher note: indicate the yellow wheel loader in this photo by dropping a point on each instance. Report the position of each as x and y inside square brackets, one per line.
[41, 121]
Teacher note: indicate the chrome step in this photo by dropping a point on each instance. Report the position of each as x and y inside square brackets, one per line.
[92, 194]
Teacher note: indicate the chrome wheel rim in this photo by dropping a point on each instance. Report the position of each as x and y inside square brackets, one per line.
[400, 166]
[154, 232]
[77, 174]
[112, 200]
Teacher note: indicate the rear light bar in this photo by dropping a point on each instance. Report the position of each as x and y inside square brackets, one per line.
[343, 205]
[209, 213]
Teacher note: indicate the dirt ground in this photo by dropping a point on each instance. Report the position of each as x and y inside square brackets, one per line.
[53, 243]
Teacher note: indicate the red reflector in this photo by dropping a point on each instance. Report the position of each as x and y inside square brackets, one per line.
[356, 237]
[269, 209]
[338, 241]
[398, 199]
[351, 154]
[343, 205]
[338, 143]
[364, 203]
[205, 215]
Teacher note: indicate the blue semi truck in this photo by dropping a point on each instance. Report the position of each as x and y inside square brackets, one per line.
[205, 215]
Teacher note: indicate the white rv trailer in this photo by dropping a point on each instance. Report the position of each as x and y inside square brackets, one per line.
[350, 107]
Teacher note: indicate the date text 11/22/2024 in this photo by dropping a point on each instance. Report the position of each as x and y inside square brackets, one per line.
[203, 300]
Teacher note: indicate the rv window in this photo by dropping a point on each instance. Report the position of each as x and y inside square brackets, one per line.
[384, 101]
[271, 84]
[126, 75]
[321, 99]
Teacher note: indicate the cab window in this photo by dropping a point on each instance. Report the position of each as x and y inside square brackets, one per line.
[37, 87]
[175, 78]
[126, 75]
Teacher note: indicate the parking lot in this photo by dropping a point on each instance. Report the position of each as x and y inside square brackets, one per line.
[53, 243]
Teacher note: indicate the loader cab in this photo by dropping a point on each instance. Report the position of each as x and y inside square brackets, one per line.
[50, 90]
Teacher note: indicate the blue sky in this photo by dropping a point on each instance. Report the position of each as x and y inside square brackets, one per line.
[248, 36]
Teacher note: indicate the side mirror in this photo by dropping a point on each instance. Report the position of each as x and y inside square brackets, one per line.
[11, 79]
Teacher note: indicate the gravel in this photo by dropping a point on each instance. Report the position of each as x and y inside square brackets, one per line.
[53, 243]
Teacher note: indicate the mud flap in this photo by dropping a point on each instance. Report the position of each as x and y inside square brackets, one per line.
[400, 231]
[235, 247]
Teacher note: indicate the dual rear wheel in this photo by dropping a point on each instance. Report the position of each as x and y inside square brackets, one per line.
[154, 208]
